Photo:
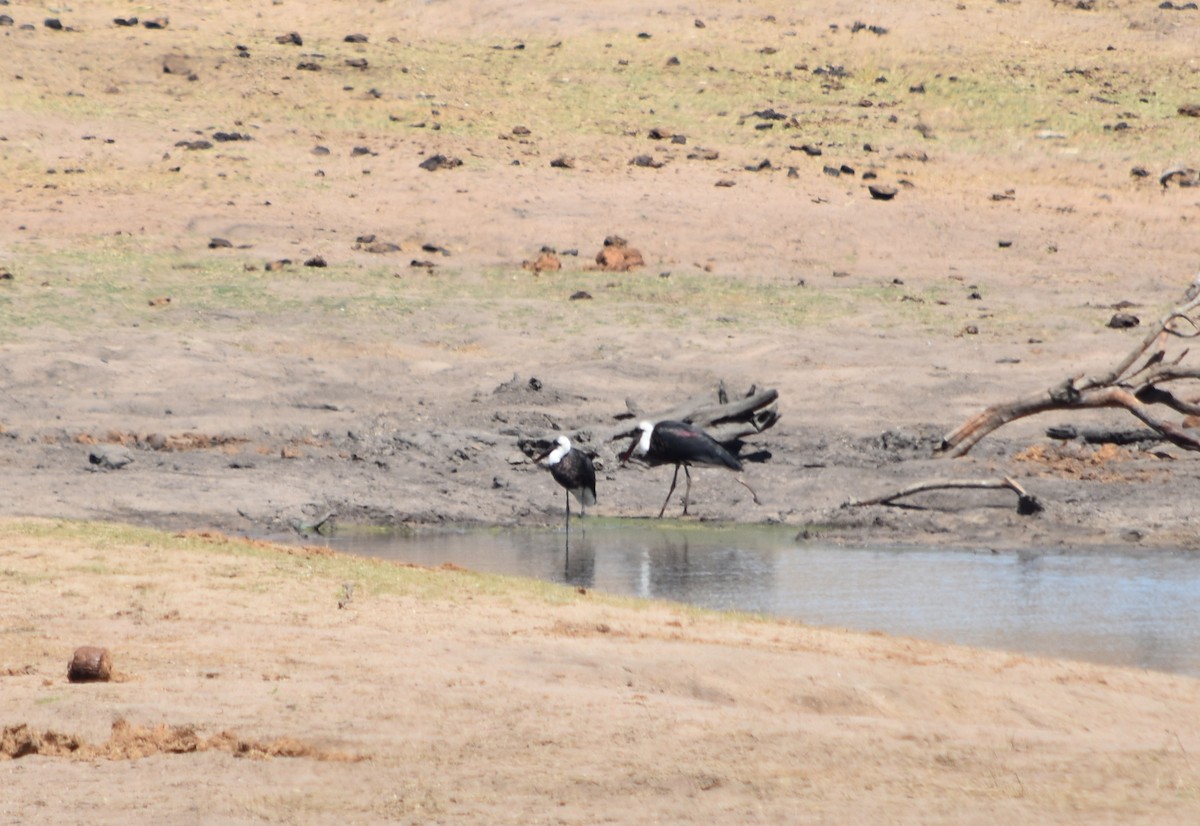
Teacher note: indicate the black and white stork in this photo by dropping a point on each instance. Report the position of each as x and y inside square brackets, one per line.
[572, 468]
[681, 444]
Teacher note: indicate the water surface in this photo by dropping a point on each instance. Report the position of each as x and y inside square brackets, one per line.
[1109, 607]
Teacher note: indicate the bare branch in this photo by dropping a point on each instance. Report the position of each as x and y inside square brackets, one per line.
[1134, 390]
[1026, 504]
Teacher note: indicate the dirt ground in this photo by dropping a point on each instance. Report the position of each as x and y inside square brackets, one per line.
[158, 177]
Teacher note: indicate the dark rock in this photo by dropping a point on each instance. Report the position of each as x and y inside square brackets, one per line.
[308, 66]
[219, 243]
[316, 261]
[882, 192]
[125, 21]
[357, 62]
[225, 137]
[53, 23]
[156, 23]
[439, 161]
[581, 295]
[646, 161]
[562, 163]
[1123, 321]
[293, 37]
[110, 457]
[198, 144]
[355, 38]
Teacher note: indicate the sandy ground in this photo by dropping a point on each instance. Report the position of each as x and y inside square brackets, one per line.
[393, 387]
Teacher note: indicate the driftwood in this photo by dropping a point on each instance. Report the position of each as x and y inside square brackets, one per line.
[90, 664]
[1026, 504]
[1136, 384]
[724, 420]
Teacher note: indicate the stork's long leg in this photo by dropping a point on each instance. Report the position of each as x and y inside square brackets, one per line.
[672, 490]
[567, 500]
[687, 492]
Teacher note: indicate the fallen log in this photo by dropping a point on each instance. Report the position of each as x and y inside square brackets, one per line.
[1133, 388]
[1026, 504]
[724, 420]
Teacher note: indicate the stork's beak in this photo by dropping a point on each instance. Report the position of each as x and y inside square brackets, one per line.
[543, 455]
[625, 456]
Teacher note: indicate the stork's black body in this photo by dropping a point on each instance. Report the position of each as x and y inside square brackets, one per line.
[573, 469]
[682, 445]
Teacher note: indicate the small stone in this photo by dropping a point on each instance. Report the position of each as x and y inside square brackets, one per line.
[110, 457]
[882, 192]
[219, 243]
[1123, 321]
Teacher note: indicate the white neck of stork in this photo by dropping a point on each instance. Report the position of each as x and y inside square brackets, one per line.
[556, 455]
[643, 445]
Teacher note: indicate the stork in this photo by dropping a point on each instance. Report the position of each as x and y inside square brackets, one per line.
[681, 444]
[572, 468]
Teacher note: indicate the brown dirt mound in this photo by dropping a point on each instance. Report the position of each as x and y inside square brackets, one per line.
[132, 742]
[1099, 464]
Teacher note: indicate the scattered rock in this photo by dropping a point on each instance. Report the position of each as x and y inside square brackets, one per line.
[195, 145]
[725, 183]
[547, 260]
[292, 37]
[109, 457]
[90, 664]
[225, 137]
[125, 21]
[379, 247]
[1181, 175]
[563, 163]
[1004, 243]
[177, 64]
[156, 23]
[308, 66]
[436, 162]
[617, 256]
[219, 243]
[809, 149]
[704, 155]
[581, 295]
[660, 134]
[1123, 321]
[5, 275]
[316, 261]
[355, 38]
[357, 62]
[53, 23]
[882, 192]
[647, 161]
[760, 166]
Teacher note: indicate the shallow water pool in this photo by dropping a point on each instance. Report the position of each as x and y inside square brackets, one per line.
[1111, 607]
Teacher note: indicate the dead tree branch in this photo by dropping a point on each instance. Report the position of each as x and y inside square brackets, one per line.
[725, 420]
[1133, 384]
[1026, 504]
